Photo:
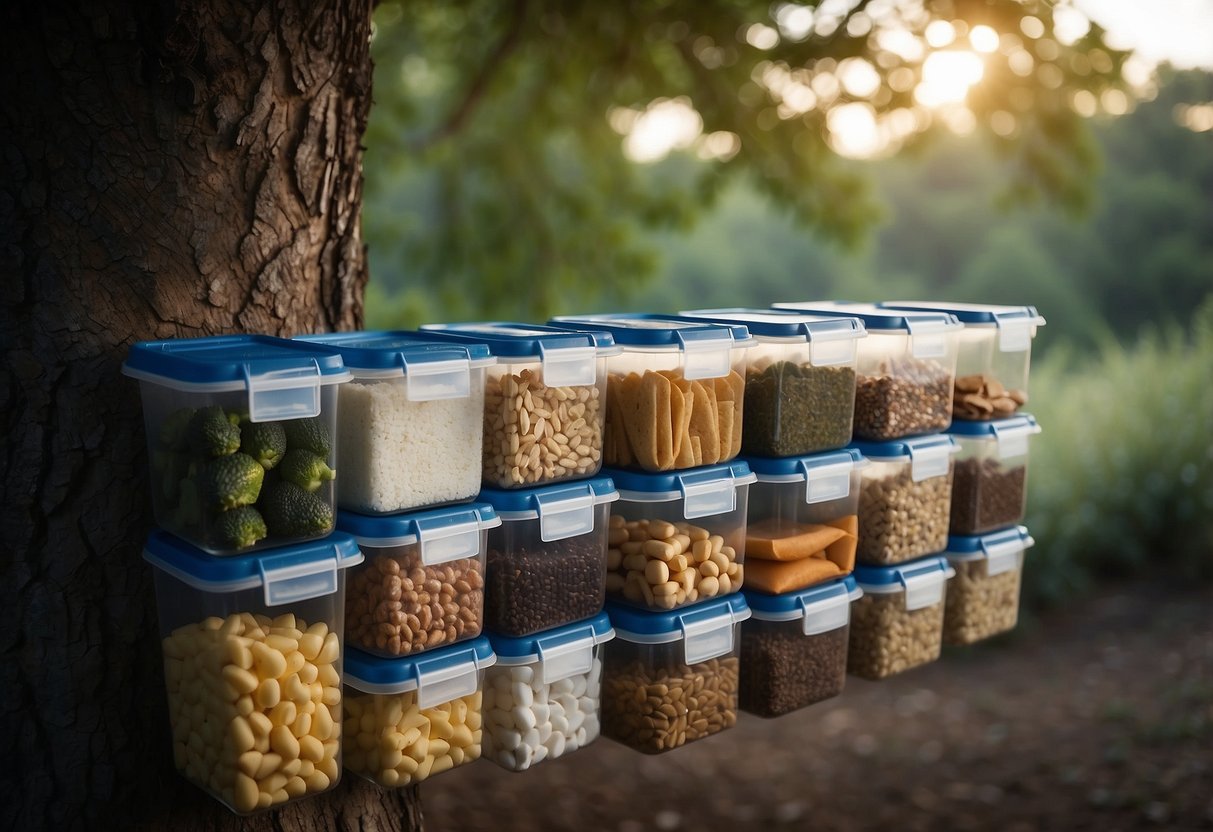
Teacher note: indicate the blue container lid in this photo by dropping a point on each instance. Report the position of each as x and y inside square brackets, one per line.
[973, 313]
[397, 352]
[922, 580]
[438, 675]
[827, 475]
[876, 318]
[553, 642]
[1002, 549]
[443, 534]
[287, 573]
[705, 627]
[563, 510]
[568, 358]
[705, 491]
[771, 323]
[1024, 423]
[821, 608]
[231, 362]
[929, 456]
[640, 329]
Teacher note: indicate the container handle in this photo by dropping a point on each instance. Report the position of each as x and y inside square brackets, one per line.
[1014, 335]
[827, 614]
[928, 339]
[440, 540]
[925, 589]
[569, 366]
[707, 493]
[440, 679]
[565, 515]
[569, 657]
[704, 357]
[1012, 440]
[933, 461]
[427, 381]
[293, 582]
[705, 638]
[826, 482]
[1004, 555]
[288, 390]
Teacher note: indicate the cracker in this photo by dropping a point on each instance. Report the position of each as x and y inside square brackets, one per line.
[639, 410]
[704, 423]
[662, 422]
[685, 456]
[725, 411]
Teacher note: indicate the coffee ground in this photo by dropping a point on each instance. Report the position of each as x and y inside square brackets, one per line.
[783, 670]
[986, 496]
[544, 585]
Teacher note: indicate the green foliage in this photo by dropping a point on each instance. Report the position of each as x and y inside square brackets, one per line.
[1121, 478]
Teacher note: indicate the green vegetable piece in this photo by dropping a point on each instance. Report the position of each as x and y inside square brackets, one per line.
[239, 528]
[308, 434]
[264, 442]
[305, 469]
[237, 417]
[212, 434]
[174, 430]
[290, 511]
[232, 481]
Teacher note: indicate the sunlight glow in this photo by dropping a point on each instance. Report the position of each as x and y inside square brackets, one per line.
[858, 77]
[853, 130]
[762, 37]
[940, 33]
[666, 124]
[983, 39]
[947, 77]
[1196, 117]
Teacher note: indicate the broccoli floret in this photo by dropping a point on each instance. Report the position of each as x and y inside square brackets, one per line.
[174, 430]
[232, 481]
[305, 469]
[212, 434]
[263, 441]
[308, 434]
[290, 511]
[239, 528]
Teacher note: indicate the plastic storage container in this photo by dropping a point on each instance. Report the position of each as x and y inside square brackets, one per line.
[803, 520]
[994, 359]
[677, 538]
[240, 438]
[800, 379]
[906, 368]
[676, 393]
[252, 665]
[422, 585]
[410, 423]
[547, 561]
[794, 647]
[544, 401]
[905, 501]
[983, 598]
[898, 623]
[990, 488]
[544, 698]
[409, 719]
[672, 677]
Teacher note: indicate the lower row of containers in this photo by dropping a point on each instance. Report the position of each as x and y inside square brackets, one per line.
[267, 704]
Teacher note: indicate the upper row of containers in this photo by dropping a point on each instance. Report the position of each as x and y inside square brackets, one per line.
[243, 430]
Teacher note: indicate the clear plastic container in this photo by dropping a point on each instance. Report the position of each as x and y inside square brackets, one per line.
[252, 664]
[983, 597]
[240, 437]
[410, 423]
[898, 623]
[422, 585]
[410, 719]
[544, 401]
[994, 359]
[543, 700]
[803, 520]
[905, 501]
[678, 538]
[547, 561]
[906, 368]
[672, 677]
[800, 379]
[794, 647]
[664, 365]
[990, 485]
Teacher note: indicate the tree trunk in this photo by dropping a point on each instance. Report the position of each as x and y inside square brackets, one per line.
[170, 168]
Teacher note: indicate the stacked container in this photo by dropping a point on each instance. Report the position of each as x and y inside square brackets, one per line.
[898, 623]
[990, 492]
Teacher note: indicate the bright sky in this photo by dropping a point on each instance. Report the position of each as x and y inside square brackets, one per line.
[1179, 31]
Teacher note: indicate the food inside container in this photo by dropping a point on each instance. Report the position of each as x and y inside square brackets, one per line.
[898, 623]
[983, 597]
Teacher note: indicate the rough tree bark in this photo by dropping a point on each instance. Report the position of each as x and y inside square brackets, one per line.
[170, 168]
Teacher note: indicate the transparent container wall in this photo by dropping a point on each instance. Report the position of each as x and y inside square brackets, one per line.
[900, 519]
[398, 606]
[398, 454]
[393, 742]
[254, 692]
[535, 585]
[990, 383]
[783, 670]
[657, 559]
[887, 639]
[793, 407]
[229, 485]
[653, 701]
[899, 394]
[650, 425]
[536, 434]
[529, 719]
[793, 543]
[980, 605]
[988, 493]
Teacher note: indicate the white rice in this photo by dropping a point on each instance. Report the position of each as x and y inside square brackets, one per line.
[396, 454]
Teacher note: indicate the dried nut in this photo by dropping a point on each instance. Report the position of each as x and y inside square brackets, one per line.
[902, 398]
[887, 639]
[987, 494]
[900, 519]
[657, 563]
[984, 397]
[980, 605]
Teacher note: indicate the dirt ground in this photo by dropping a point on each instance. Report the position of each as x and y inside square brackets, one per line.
[1095, 717]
